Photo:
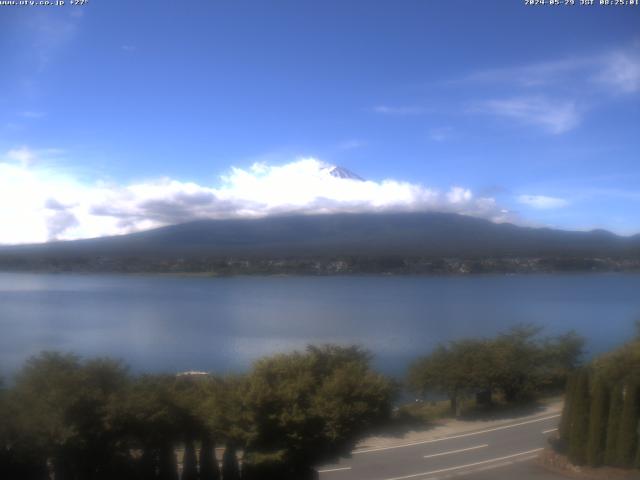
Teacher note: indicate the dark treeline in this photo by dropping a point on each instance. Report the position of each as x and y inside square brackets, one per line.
[70, 419]
[517, 365]
[601, 419]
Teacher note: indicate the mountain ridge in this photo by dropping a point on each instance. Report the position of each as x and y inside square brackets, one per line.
[323, 238]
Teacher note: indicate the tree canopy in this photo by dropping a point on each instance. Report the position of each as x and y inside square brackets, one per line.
[517, 364]
[92, 420]
[309, 407]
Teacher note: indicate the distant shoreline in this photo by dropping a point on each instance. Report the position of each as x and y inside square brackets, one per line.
[320, 267]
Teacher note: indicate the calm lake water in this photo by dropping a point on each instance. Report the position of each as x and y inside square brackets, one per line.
[170, 323]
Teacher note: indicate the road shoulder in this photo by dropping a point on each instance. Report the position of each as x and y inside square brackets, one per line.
[450, 428]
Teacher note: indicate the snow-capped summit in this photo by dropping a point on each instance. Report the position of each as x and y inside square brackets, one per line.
[341, 172]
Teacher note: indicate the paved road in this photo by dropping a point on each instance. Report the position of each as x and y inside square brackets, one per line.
[505, 452]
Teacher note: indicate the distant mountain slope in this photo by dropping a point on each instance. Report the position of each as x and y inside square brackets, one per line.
[318, 236]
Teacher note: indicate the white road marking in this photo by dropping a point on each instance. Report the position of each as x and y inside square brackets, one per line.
[379, 449]
[459, 467]
[334, 469]
[483, 468]
[456, 451]
[550, 430]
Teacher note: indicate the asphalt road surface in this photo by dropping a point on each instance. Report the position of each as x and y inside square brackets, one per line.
[504, 452]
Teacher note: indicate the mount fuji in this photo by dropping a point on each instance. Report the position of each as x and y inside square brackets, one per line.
[341, 172]
[364, 242]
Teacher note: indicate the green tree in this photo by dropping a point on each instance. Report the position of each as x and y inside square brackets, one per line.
[100, 451]
[350, 399]
[44, 394]
[598, 423]
[211, 410]
[560, 356]
[147, 468]
[17, 461]
[621, 368]
[459, 369]
[62, 410]
[260, 466]
[168, 468]
[620, 365]
[429, 374]
[564, 429]
[189, 461]
[197, 410]
[613, 425]
[519, 362]
[311, 407]
[209, 469]
[152, 418]
[230, 468]
[579, 433]
[628, 431]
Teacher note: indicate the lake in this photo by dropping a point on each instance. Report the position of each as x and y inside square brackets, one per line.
[174, 323]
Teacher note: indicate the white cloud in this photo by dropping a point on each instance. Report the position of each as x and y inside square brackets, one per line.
[459, 195]
[41, 204]
[23, 155]
[535, 74]
[554, 116]
[27, 156]
[542, 201]
[621, 70]
[49, 32]
[352, 144]
[583, 83]
[399, 110]
[32, 114]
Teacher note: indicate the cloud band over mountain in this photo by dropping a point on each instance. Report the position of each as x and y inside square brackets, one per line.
[40, 205]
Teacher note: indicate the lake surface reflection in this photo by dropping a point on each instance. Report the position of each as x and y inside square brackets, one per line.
[175, 323]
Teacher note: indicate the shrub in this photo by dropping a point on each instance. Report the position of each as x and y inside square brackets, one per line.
[579, 432]
[628, 433]
[598, 423]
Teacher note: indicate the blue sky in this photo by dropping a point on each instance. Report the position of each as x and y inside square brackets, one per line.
[118, 116]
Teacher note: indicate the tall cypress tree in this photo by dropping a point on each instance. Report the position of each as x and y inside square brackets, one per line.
[565, 421]
[230, 468]
[628, 433]
[148, 464]
[209, 469]
[168, 468]
[613, 425]
[579, 431]
[598, 423]
[189, 462]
